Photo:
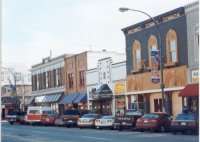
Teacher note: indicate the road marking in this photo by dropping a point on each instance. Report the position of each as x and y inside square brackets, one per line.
[96, 138]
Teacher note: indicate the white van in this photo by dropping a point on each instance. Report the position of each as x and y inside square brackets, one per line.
[36, 113]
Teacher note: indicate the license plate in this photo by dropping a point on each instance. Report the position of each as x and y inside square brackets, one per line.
[145, 121]
[123, 123]
[183, 123]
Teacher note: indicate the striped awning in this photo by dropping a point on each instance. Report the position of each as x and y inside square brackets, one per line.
[48, 98]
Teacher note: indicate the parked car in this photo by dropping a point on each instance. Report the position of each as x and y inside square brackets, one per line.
[16, 117]
[185, 123]
[35, 114]
[126, 121]
[88, 120]
[48, 118]
[69, 118]
[104, 122]
[154, 122]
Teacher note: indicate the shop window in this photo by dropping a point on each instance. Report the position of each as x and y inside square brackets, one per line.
[152, 46]
[136, 54]
[157, 105]
[171, 47]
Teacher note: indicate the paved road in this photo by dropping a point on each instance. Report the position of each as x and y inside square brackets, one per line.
[20, 133]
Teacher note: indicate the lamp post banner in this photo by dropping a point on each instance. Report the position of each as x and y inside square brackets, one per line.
[155, 63]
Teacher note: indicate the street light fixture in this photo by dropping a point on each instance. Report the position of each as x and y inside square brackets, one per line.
[124, 9]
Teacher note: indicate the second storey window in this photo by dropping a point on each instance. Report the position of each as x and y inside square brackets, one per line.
[152, 45]
[81, 78]
[70, 80]
[136, 53]
[171, 47]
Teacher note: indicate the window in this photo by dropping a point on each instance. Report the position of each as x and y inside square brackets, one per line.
[54, 78]
[171, 47]
[104, 75]
[157, 105]
[70, 80]
[152, 45]
[81, 78]
[136, 55]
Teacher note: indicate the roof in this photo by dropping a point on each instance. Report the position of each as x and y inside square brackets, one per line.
[51, 59]
[157, 18]
[190, 90]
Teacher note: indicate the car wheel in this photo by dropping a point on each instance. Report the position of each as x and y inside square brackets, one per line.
[11, 123]
[174, 132]
[162, 129]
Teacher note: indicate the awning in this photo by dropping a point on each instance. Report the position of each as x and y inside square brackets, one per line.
[82, 97]
[190, 90]
[48, 98]
[69, 98]
[104, 89]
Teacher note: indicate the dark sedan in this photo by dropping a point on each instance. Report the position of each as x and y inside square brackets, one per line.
[185, 123]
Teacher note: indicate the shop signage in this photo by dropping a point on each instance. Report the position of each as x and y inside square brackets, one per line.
[195, 76]
[155, 62]
[119, 88]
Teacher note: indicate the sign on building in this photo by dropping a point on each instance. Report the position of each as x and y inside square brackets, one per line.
[119, 88]
[195, 76]
[155, 62]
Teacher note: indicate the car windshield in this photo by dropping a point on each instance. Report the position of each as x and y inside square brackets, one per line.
[151, 116]
[185, 116]
[34, 111]
[12, 113]
[48, 112]
[89, 116]
[107, 117]
[71, 112]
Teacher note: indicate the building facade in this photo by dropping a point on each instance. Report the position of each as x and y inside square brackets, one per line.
[101, 82]
[190, 93]
[141, 40]
[75, 76]
[48, 81]
[192, 19]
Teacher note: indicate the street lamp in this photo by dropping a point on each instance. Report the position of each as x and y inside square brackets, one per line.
[124, 9]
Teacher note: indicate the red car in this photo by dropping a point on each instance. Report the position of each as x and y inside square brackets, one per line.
[49, 118]
[154, 122]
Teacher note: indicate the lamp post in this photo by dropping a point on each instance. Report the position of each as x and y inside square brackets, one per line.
[124, 9]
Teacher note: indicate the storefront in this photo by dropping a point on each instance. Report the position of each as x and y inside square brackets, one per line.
[190, 96]
[73, 101]
[119, 97]
[102, 100]
[48, 100]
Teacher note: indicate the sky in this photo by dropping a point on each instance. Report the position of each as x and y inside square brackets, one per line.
[31, 28]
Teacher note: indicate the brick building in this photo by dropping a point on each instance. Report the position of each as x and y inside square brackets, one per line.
[141, 40]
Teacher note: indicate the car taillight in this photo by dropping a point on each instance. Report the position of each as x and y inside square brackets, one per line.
[191, 124]
[139, 120]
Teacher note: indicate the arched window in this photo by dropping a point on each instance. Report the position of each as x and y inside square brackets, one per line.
[152, 45]
[136, 53]
[171, 47]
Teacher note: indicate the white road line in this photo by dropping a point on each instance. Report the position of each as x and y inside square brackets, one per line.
[96, 138]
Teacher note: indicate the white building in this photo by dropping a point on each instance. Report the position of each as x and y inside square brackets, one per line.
[108, 71]
[48, 81]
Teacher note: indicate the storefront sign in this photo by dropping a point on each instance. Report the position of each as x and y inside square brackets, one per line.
[195, 76]
[119, 88]
[155, 62]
